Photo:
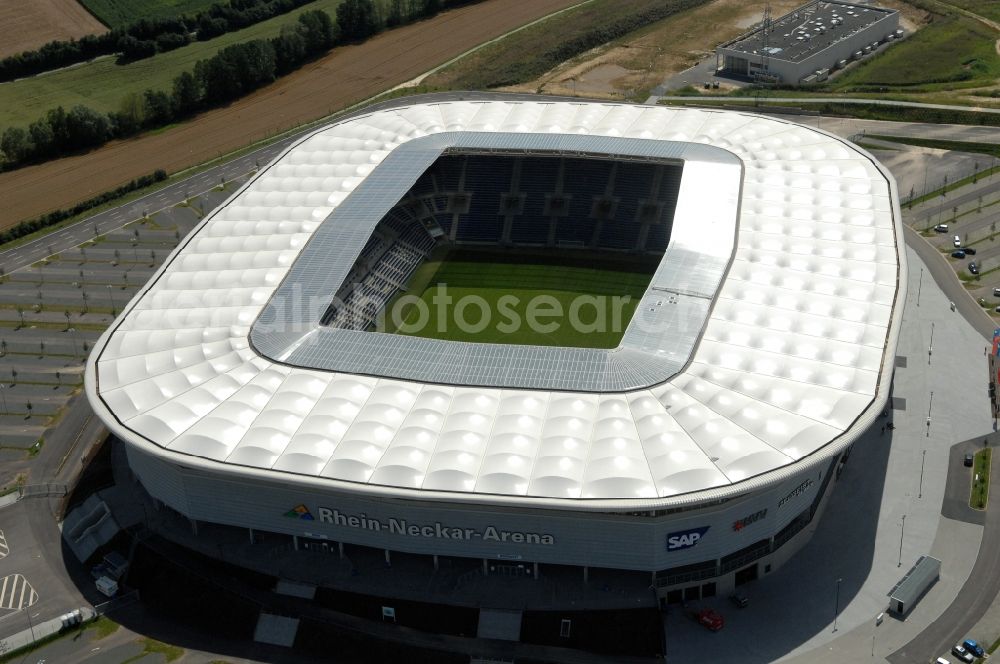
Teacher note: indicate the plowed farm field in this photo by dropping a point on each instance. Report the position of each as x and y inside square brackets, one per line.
[27, 24]
[345, 76]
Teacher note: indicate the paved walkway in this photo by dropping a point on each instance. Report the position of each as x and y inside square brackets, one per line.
[655, 99]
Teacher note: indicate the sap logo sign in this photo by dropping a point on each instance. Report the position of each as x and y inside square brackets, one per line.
[685, 539]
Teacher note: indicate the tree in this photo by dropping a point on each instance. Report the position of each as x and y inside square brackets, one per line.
[319, 31]
[57, 119]
[131, 114]
[16, 145]
[186, 95]
[289, 49]
[41, 349]
[431, 7]
[159, 109]
[396, 14]
[30, 408]
[20, 313]
[357, 19]
[58, 378]
[3, 346]
[86, 128]
[42, 138]
[67, 315]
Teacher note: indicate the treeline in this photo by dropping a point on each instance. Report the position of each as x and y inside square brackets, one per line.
[52, 218]
[230, 74]
[146, 37]
[233, 72]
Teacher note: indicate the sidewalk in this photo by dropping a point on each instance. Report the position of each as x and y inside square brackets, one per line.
[41, 631]
[858, 539]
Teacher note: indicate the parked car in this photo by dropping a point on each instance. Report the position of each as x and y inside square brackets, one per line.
[968, 460]
[941, 660]
[962, 654]
[973, 647]
[969, 251]
[711, 619]
[740, 600]
[958, 253]
[973, 268]
[957, 241]
[941, 228]
[996, 292]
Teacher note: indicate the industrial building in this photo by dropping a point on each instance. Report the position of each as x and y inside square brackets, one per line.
[697, 454]
[807, 44]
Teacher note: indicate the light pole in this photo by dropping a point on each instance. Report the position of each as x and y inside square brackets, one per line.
[930, 346]
[76, 349]
[923, 458]
[930, 403]
[920, 285]
[836, 607]
[902, 528]
[31, 628]
[3, 396]
[112, 298]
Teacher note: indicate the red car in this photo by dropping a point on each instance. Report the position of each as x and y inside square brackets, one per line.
[711, 619]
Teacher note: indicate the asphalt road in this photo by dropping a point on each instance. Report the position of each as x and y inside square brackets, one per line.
[944, 275]
[975, 597]
[983, 585]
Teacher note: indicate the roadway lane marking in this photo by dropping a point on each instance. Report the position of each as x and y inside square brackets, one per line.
[4, 548]
[16, 593]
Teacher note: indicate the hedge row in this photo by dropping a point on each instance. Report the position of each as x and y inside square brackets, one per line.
[53, 218]
[146, 37]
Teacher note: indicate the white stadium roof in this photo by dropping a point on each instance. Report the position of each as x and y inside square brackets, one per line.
[794, 359]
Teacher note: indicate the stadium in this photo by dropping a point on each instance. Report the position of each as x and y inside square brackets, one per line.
[526, 335]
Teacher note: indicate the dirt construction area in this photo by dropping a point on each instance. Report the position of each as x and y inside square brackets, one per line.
[27, 24]
[345, 76]
[632, 66]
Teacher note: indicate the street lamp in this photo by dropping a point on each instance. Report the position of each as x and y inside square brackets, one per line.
[112, 298]
[901, 529]
[3, 396]
[836, 608]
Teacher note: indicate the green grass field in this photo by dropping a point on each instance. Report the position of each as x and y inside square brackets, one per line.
[987, 8]
[117, 13]
[102, 84]
[981, 487]
[951, 50]
[586, 307]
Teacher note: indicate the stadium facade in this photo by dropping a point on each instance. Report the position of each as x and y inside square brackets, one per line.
[250, 391]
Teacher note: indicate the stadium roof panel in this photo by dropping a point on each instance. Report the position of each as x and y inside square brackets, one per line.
[794, 360]
[656, 344]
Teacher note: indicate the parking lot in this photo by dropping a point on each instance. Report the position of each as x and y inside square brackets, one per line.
[52, 312]
[972, 215]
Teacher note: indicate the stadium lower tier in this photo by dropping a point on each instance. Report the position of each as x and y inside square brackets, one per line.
[688, 553]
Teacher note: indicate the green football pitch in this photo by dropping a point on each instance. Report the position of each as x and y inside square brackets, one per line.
[521, 298]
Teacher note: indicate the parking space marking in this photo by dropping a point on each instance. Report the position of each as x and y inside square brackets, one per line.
[4, 548]
[16, 593]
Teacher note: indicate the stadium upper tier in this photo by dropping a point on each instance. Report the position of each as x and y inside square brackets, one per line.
[791, 364]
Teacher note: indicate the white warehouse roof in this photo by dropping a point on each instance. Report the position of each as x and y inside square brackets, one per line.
[794, 360]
